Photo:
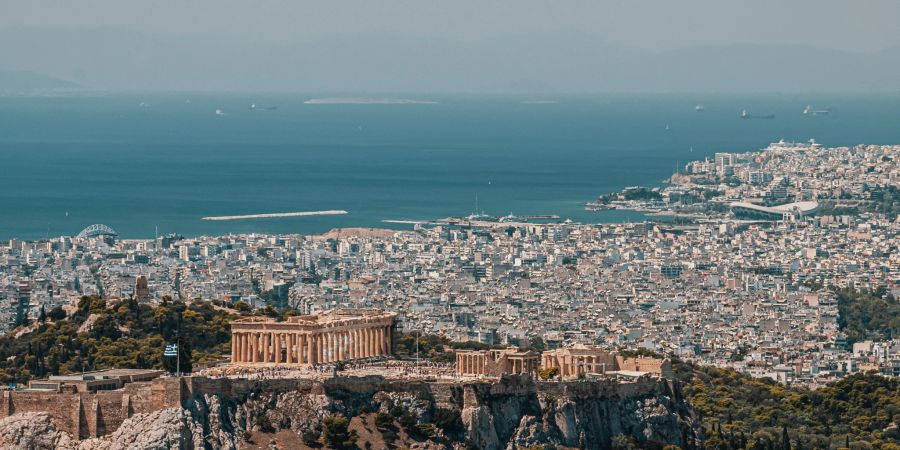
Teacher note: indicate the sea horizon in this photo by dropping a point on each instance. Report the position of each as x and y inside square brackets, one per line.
[169, 159]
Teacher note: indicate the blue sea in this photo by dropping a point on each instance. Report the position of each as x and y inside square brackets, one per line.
[68, 162]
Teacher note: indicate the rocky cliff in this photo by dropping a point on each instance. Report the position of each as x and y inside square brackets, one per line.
[510, 413]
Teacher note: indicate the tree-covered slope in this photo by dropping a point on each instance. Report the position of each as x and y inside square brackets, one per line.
[127, 334]
[740, 412]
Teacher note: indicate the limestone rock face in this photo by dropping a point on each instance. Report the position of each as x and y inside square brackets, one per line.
[165, 429]
[32, 431]
[481, 428]
[582, 414]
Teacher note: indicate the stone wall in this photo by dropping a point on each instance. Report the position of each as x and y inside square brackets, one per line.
[86, 414]
[662, 367]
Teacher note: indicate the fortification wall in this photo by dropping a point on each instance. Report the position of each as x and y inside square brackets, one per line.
[86, 414]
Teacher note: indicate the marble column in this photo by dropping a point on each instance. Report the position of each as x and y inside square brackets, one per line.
[335, 347]
[345, 345]
[288, 345]
[260, 353]
[348, 343]
[273, 350]
[390, 339]
[254, 343]
[317, 343]
[263, 347]
[245, 347]
[364, 342]
[300, 348]
[292, 348]
[306, 348]
[279, 347]
[276, 347]
[331, 347]
[377, 341]
[248, 349]
[235, 347]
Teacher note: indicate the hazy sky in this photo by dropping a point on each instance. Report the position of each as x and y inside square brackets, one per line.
[866, 25]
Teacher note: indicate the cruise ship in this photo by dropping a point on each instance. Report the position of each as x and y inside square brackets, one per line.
[809, 111]
[783, 145]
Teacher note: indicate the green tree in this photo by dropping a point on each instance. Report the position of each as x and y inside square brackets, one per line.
[336, 434]
[547, 373]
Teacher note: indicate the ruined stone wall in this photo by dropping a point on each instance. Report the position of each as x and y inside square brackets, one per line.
[85, 414]
[65, 408]
[656, 366]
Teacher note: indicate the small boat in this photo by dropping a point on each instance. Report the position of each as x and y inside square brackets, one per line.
[699, 108]
[219, 112]
[746, 115]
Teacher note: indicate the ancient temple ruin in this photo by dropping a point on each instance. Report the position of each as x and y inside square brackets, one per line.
[338, 335]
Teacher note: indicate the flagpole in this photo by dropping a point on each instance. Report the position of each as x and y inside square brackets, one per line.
[178, 349]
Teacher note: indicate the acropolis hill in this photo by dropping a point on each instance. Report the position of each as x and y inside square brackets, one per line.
[295, 376]
[200, 412]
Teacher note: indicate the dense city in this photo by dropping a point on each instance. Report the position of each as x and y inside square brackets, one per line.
[750, 284]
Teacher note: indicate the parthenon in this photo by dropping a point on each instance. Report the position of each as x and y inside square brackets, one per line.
[337, 335]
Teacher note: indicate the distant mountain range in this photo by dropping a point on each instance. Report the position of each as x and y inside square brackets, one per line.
[19, 81]
[113, 59]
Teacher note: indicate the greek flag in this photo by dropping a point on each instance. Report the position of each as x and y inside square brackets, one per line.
[171, 350]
